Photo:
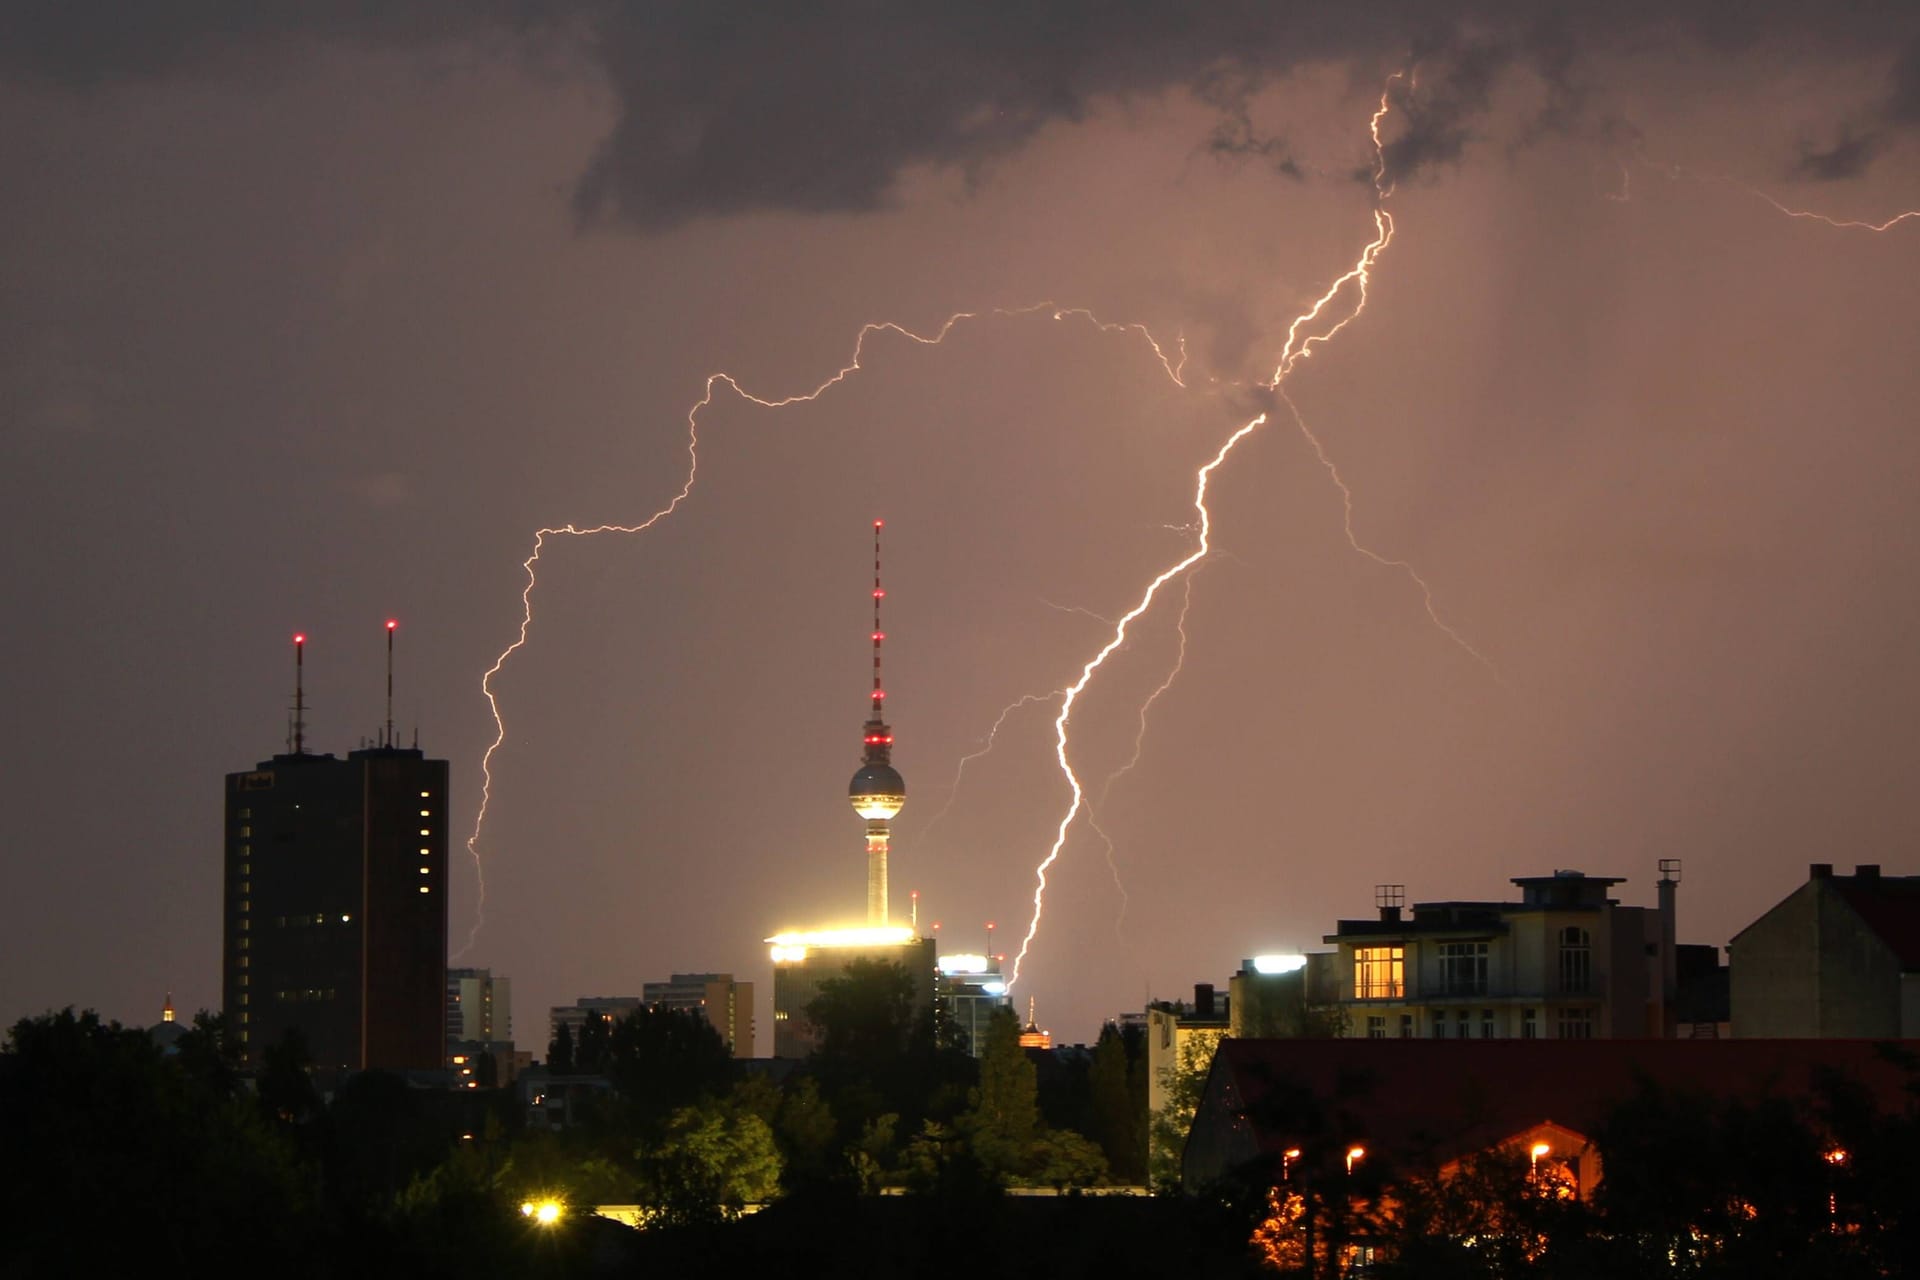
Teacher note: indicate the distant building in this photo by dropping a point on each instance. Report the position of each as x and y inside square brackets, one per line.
[166, 1033]
[479, 1006]
[1285, 997]
[726, 1005]
[968, 990]
[574, 1016]
[1839, 957]
[336, 906]
[1032, 1036]
[1181, 1039]
[804, 961]
[1566, 962]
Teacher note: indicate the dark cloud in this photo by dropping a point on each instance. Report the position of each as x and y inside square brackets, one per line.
[1848, 158]
[739, 109]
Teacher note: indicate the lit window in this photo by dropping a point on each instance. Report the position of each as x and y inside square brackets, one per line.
[425, 852]
[246, 904]
[1379, 973]
[245, 961]
[245, 980]
[246, 813]
[246, 886]
[423, 871]
[424, 889]
[425, 832]
[246, 925]
[246, 869]
[244, 944]
[246, 833]
[244, 1019]
[424, 795]
[243, 1037]
[425, 814]
[243, 997]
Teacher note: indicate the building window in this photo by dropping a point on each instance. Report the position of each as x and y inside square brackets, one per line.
[1406, 1026]
[1439, 1030]
[1529, 1026]
[246, 869]
[1576, 1024]
[1486, 1024]
[1576, 960]
[1464, 1027]
[1379, 973]
[1463, 968]
[1376, 1026]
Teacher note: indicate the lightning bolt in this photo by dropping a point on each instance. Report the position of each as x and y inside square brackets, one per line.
[960, 770]
[714, 383]
[1308, 330]
[1675, 172]
[1346, 499]
[1139, 748]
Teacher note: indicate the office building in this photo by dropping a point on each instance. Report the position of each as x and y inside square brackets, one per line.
[726, 1005]
[336, 904]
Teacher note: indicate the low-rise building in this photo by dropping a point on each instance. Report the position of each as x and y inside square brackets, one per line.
[1838, 957]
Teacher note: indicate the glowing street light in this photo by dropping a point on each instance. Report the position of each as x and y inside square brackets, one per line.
[1354, 1154]
[1539, 1149]
[1287, 1158]
[545, 1212]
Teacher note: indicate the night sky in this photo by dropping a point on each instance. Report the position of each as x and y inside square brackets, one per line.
[310, 315]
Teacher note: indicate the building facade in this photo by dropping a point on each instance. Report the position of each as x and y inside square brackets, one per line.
[479, 1006]
[968, 990]
[726, 1005]
[1838, 957]
[336, 908]
[802, 962]
[1566, 962]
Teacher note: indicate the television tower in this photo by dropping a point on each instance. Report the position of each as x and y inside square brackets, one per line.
[877, 791]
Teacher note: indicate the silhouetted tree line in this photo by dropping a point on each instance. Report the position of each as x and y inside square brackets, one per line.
[117, 1155]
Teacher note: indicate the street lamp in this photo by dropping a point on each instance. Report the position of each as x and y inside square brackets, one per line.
[1287, 1158]
[1354, 1154]
[544, 1212]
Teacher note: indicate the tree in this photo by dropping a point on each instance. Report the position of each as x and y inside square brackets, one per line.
[596, 1038]
[1061, 1158]
[865, 1018]
[1004, 1113]
[1183, 1082]
[713, 1160]
[660, 1060]
[285, 1085]
[560, 1052]
[1119, 1120]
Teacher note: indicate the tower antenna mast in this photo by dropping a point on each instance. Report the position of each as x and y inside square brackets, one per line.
[299, 694]
[877, 791]
[392, 626]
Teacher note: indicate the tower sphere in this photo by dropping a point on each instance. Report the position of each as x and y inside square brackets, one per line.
[877, 791]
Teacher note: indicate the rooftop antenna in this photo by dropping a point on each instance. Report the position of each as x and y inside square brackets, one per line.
[299, 694]
[392, 626]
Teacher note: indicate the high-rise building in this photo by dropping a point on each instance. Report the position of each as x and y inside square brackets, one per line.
[803, 960]
[725, 1004]
[479, 1006]
[968, 991]
[336, 904]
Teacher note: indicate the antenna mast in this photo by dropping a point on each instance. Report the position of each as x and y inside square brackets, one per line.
[392, 626]
[299, 694]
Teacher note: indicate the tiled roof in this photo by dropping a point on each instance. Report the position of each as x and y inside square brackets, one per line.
[1425, 1098]
[1890, 906]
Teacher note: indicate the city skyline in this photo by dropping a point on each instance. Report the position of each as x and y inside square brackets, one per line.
[315, 325]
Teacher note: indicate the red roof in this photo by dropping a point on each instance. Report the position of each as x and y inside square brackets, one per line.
[1442, 1098]
[1890, 906]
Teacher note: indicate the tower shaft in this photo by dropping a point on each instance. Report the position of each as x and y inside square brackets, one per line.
[879, 832]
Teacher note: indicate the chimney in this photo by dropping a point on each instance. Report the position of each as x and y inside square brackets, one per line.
[1820, 871]
[1867, 871]
[1669, 891]
[1203, 1000]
